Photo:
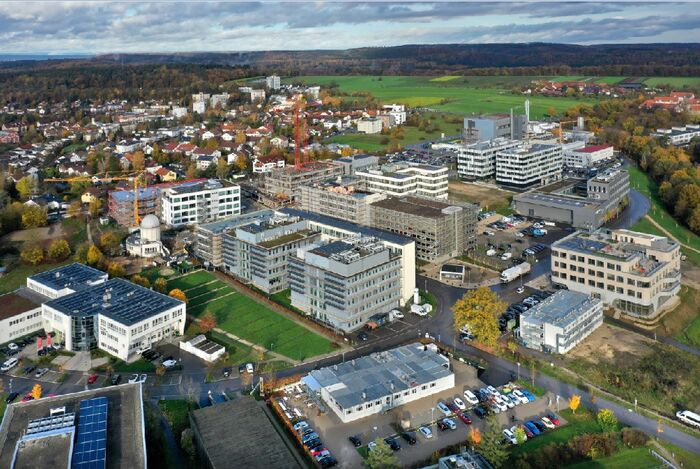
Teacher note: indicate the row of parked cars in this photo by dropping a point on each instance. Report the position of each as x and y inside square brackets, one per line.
[486, 400]
[532, 428]
[312, 442]
[514, 310]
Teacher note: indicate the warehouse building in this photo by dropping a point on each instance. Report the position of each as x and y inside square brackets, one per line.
[343, 283]
[116, 316]
[489, 127]
[441, 230]
[200, 202]
[382, 381]
[560, 322]
[342, 199]
[637, 273]
[606, 196]
[402, 179]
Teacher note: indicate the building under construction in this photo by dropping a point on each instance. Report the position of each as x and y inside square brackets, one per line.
[286, 182]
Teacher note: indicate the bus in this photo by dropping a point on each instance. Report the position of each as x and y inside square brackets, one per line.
[691, 418]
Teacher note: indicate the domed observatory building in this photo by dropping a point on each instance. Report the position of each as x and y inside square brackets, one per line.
[146, 241]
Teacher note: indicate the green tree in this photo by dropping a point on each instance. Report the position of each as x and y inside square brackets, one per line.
[110, 243]
[25, 187]
[520, 435]
[58, 250]
[607, 420]
[94, 255]
[143, 281]
[222, 168]
[381, 457]
[115, 269]
[160, 285]
[33, 216]
[81, 253]
[478, 310]
[491, 446]
[32, 254]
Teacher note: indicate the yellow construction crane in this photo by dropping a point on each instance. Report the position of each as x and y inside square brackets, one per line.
[120, 176]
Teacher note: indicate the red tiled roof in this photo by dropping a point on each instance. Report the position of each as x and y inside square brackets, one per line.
[593, 148]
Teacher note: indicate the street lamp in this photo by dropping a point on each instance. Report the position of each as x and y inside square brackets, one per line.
[518, 371]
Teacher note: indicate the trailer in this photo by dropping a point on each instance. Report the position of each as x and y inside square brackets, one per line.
[515, 272]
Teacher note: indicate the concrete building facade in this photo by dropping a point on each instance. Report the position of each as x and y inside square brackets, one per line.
[529, 165]
[482, 128]
[402, 179]
[340, 199]
[370, 125]
[478, 160]
[588, 155]
[637, 273]
[441, 230]
[200, 202]
[287, 181]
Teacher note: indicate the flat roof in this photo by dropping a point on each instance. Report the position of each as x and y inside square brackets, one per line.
[232, 222]
[239, 433]
[560, 309]
[75, 276]
[117, 299]
[34, 452]
[125, 446]
[416, 206]
[20, 301]
[556, 199]
[374, 376]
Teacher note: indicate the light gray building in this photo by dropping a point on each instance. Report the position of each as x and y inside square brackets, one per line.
[489, 127]
[606, 195]
[343, 283]
[441, 230]
[529, 165]
[342, 199]
[560, 322]
[478, 160]
[358, 162]
[287, 181]
[258, 252]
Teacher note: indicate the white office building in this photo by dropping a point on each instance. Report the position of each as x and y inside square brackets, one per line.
[370, 125]
[403, 179]
[588, 156]
[382, 381]
[397, 111]
[560, 322]
[679, 136]
[65, 280]
[200, 202]
[529, 165]
[117, 316]
[257, 95]
[273, 82]
[478, 160]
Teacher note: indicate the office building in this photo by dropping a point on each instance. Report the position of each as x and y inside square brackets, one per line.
[116, 316]
[258, 252]
[257, 95]
[369, 125]
[287, 181]
[96, 428]
[343, 283]
[272, 82]
[588, 156]
[560, 322]
[441, 230]
[529, 165]
[604, 197]
[679, 136]
[478, 160]
[342, 199]
[376, 383]
[20, 314]
[482, 128]
[402, 179]
[199, 202]
[65, 280]
[637, 273]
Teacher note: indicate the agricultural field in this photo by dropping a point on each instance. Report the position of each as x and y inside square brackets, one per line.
[246, 318]
[677, 82]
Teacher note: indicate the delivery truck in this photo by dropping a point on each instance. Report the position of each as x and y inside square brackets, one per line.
[515, 272]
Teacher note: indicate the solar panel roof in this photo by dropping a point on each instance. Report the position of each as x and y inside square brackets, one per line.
[90, 450]
[74, 276]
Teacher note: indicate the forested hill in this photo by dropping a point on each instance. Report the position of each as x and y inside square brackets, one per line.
[508, 59]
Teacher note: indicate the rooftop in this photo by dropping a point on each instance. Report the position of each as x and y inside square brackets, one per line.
[377, 375]
[19, 301]
[568, 201]
[240, 430]
[593, 148]
[350, 250]
[199, 186]
[227, 224]
[74, 276]
[117, 299]
[418, 206]
[284, 239]
[560, 309]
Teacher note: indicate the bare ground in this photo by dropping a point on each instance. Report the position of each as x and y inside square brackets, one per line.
[486, 196]
[608, 341]
[35, 234]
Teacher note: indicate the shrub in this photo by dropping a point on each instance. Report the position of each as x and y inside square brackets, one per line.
[634, 438]
[607, 420]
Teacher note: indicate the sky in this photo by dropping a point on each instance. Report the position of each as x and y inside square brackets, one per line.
[95, 27]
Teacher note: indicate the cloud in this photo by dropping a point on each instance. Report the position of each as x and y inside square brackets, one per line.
[103, 26]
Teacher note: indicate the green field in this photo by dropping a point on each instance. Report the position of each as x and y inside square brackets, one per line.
[645, 226]
[576, 424]
[678, 82]
[628, 458]
[464, 95]
[246, 318]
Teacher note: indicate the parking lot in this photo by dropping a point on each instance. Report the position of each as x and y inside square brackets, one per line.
[334, 434]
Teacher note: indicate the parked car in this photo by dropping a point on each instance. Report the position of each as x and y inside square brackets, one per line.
[250, 368]
[446, 424]
[547, 423]
[540, 426]
[453, 407]
[393, 444]
[29, 369]
[356, 442]
[527, 431]
[530, 397]
[480, 411]
[443, 408]
[301, 425]
[362, 336]
[371, 446]
[533, 428]
[471, 397]
[520, 290]
[308, 437]
[115, 379]
[520, 396]
[169, 363]
[91, 379]
[142, 378]
[328, 461]
[464, 418]
[509, 436]
[13, 346]
[426, 432]
[410, 437]
[134, 378]
[41, 372]
[226, 372]
[554, 419]
[459, 403]
[11, 397]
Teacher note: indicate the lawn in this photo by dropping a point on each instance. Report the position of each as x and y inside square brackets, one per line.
[246, 318]
[628, 458]
[645, 226]
[3, 404]
[683, 323]
[139, 366]
[192, 280]
[463, 95]
[677, 82]
[583, 421]
[17, 274]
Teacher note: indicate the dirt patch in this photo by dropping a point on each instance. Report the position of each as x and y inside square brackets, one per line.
[608, 341]
[46, 232]
[486, 196]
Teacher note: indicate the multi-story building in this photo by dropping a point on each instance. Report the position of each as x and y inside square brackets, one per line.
[376, 383]
[200, 202]
[560, 322]
[257, 95]
[477, 129]
[340, 199]
[679, 136]
[397, 111]
[478, 160]
[356, 162]
[65, 280]
[220, 100]
[370, 125]
[258, 252]
[402, 179]
[529, 165]
[441, 230]
[272, 82]
[637, 273]
[343, 283]
[287, 181]
[200, 107]
[20, 314]
[588, 155]
[116, 316]
[605, 198]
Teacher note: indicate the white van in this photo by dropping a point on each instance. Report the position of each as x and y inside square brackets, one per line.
[691, 418]
[9, 364]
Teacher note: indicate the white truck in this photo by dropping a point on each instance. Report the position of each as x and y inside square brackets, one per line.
[515, 272]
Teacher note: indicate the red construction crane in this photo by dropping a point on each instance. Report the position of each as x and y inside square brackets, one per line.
[300, 154]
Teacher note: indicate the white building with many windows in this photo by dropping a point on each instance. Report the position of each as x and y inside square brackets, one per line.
[65, 280]
[382, 381]
[370, 125]
[478, 160]
[403, 179]
[200, 202]
[20, 314]
[588, 156]
[529, 165]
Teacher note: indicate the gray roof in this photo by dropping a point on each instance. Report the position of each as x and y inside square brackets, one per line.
[127, 304]
[371, 377]
[232, 222]
[560, 309]
[74, 276]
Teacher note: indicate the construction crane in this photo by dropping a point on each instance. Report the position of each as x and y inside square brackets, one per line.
[300, 156]
[579, 120]
[120, 176]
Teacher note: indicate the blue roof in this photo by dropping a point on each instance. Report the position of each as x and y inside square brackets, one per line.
[117, 299]
[128, 195]
[349, 226]
[90, 451]
[74, 276]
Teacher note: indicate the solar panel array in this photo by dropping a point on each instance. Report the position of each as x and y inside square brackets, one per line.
[90, 451]
[51, 423]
